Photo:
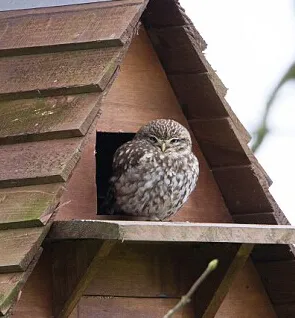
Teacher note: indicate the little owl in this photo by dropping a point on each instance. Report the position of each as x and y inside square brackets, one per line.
[154, 173]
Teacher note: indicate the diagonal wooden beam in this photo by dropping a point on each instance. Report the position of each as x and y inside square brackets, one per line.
[213, 291]
[74, 266]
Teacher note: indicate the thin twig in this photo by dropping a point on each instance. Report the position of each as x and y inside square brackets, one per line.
[187, 298]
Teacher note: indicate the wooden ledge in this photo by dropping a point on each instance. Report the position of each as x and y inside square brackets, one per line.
[181, 232]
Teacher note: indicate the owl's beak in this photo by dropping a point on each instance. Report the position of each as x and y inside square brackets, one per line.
[163, 146]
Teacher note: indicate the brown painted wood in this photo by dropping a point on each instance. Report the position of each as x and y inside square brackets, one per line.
[28, 206]
[38, 162]
[222, 282]
[244, 190]
[269, 253]
[47, 118]
[172, 232]
[255, 218]
[36, 296]
[219, 141]
[147, 270]
[285, 310]
[139, 94]
[18, 248]
[56, 31]
[278, 278]
[12, 283]
[247, 297]
[174, 16]
[57, 73]
[68, 287]
[106, 307]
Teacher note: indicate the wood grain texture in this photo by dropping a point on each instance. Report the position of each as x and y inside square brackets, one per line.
[147, 270]
[18, 248]
[69, 262]
[172, 232]
[28, 206]
[219, 141]
[244, 190]
[57, 73]
[107, 307]
[285, 310]
[255, 218]
[247, 297]
[278, 278]
[47, 118]
[224, 281]
[38, 162]
[11, 285]
[87, 275]
[55, 31]
[36, 296]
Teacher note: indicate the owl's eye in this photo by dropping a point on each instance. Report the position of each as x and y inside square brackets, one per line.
[174, 140]
[153, 139]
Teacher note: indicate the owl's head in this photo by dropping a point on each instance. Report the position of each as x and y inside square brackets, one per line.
[167, 135]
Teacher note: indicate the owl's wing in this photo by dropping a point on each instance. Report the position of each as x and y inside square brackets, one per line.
[126, 157]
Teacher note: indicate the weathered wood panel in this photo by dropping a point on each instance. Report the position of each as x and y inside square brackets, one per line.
[47, 118]
[18, 248]
[244, 191]
[121, 307]
[11, 285]
[172, 232]
[141, 93]
[38, 162]
[219, 141]
[27, 206]
[285, 310]
[199, 95]
[255, 218]
[57, 73]
[56, 31]
[36, 296]
[278, 278]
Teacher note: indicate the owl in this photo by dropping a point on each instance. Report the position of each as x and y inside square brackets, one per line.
[154, 173]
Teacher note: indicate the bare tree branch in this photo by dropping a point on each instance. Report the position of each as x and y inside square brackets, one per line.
[187, 298]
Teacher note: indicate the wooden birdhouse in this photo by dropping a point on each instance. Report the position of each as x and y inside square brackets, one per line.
[80, 79]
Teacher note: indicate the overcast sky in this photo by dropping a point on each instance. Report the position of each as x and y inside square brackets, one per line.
[251, 44]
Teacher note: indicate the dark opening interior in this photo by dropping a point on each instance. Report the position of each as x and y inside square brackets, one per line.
[106, 145]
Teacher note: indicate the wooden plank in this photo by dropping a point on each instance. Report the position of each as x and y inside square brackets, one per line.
[246, 297]
[174, 14]
[148, 270]
[11, 285]
[244, 190]
[105, 307]
[67, 30]
[268, 253]
[219, 141]
[38, 162]
[199, 96]
[172, 232]
[28, 206]
[222, 288]
[47, 118]
[68, 8]
[278, 278]
[18, 248]
[36, 295]
[67, 295]
[255, 218]
[285, 310]
[140, 93]
[57, 73]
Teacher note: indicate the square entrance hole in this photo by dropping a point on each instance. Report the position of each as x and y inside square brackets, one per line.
[106, 145]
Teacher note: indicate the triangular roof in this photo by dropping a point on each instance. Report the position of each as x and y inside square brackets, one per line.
[44, 124]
